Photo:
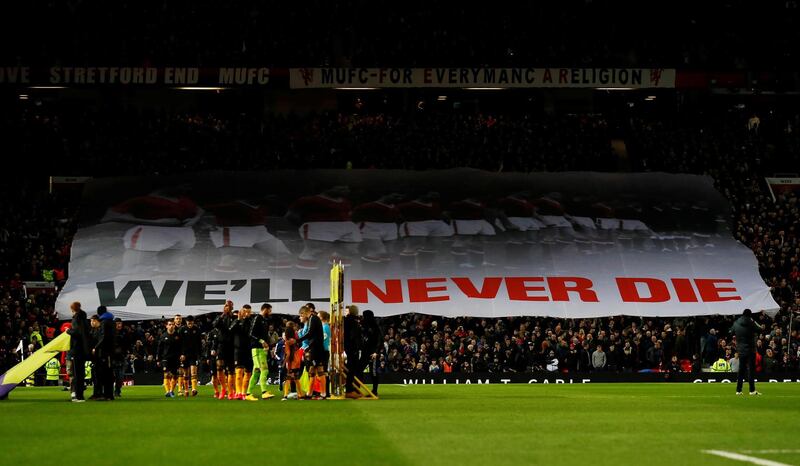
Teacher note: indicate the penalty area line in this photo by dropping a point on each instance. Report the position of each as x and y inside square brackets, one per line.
[739, 457]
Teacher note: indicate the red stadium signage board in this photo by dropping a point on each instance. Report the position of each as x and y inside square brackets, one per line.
[778, 186]
[612, 78]
[450, 242]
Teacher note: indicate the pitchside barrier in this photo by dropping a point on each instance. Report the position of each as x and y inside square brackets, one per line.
[543, 378]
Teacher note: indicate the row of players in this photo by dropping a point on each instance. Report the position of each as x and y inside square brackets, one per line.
[237, 351]
[330, 225]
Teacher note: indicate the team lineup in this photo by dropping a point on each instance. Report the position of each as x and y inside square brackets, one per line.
[237, 348]
[235, 353]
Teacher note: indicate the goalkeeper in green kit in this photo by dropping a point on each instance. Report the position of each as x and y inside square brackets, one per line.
[259, 344]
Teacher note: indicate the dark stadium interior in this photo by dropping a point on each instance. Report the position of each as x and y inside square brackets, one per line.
[712, 35]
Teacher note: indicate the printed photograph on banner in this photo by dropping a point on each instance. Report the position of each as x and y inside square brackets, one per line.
[450, 242]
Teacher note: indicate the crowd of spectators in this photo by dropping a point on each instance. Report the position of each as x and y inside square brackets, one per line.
[36, 231]
[717, 35]
[36, 227]
[102, 142]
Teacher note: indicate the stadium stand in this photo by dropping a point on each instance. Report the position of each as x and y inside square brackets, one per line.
[70, 137]
[37, 225]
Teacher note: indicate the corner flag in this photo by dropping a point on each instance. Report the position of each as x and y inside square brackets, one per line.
[21, 371]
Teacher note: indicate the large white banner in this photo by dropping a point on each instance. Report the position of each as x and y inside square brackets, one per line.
[616, 78]
[452, 242]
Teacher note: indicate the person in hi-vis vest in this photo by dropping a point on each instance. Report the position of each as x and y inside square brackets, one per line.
[88, 369]
[721, 365]
[53, 368]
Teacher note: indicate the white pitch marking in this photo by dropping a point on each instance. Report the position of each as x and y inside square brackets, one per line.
[740, 457]
[771, 451]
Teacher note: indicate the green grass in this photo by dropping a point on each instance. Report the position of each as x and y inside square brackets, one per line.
[600, 424]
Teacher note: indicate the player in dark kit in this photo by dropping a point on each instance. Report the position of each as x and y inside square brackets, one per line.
[169, 350]
[224, 357]
[242, 357]
[180, 328]
[317, 363]
[192, 340]
[210, 347]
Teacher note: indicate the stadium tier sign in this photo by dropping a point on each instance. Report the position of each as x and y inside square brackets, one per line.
[633, 78]
[449, 242]
[179, 76]
[308, 78]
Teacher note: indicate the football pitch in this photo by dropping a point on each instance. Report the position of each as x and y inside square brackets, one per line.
[603, 424]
